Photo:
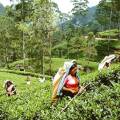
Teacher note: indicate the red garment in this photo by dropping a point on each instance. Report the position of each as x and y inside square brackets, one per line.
[71, 82]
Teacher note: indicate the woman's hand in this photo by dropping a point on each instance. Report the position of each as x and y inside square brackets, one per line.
[73, 91]
[70, 90]
[82, 88]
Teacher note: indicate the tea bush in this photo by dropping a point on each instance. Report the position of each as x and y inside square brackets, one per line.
[112, 33]
[101, 101]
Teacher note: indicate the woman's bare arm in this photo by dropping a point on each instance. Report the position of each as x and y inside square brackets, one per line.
[69, 90]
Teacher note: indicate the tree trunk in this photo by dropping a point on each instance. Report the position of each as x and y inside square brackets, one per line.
[23, 39]
[118, 25]
[68, 49]
[109, 31]
[24, 55]
[50, 55]
[6, 57]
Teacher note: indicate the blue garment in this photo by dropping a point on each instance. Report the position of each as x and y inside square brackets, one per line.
[62, 81]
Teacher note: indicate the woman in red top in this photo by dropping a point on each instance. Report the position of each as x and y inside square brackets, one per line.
[71, 83]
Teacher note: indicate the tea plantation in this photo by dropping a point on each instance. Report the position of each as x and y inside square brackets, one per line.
[101, 101]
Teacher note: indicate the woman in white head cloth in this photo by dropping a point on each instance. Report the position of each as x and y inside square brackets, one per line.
[70, 83]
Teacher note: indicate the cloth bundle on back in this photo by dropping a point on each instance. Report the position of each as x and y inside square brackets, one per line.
[59, 80]
[56, 82]
[106, 62]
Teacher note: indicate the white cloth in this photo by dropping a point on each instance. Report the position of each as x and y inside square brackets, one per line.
[107, 59]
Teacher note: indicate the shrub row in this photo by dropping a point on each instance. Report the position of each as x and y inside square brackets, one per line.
[99, 102]
[25, 73]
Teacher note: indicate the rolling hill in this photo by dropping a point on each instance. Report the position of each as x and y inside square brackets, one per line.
[84, 20]
[1, 9]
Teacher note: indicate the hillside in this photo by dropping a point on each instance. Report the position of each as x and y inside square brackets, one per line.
[1, 9]
[56, 63]
[112, 34]
[84, 20]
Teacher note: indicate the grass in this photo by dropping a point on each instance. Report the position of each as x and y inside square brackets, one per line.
[56, 64]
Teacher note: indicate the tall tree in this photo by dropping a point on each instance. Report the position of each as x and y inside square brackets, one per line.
[80, 7]
[103, 14]
[23, 12]
[116, 8]
[42, 25]
[107, 13]
[6, 33]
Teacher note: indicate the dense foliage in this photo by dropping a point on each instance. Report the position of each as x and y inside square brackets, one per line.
[100, 101]
[36, 38]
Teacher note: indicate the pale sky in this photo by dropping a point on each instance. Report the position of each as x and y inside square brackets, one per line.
[64, 5]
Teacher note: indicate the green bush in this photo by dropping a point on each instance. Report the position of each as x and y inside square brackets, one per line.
[33, 102]
[25, 73]
[105, 48]
[109, 33]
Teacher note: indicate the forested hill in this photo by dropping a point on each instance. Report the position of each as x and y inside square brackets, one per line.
[1, 9]
[83, 20]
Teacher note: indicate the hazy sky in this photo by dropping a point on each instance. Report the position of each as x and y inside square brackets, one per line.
[64, 5]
